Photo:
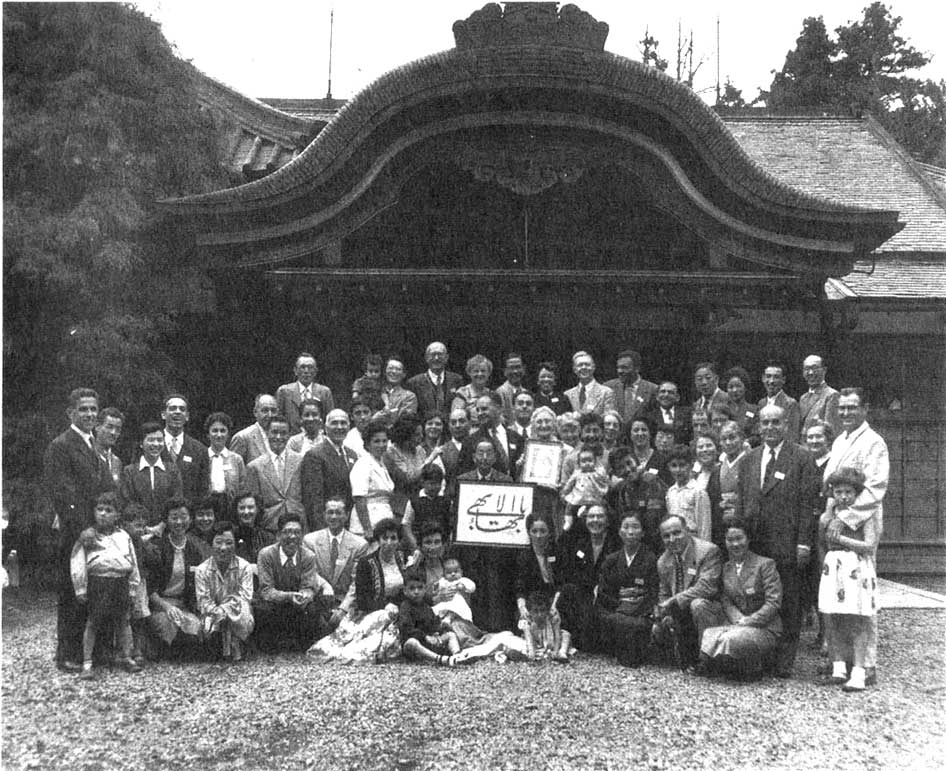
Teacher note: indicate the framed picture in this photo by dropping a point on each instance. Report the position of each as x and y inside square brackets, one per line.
[493, 513]
[542, 463]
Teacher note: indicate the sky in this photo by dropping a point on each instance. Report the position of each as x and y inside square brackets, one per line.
[280, 48]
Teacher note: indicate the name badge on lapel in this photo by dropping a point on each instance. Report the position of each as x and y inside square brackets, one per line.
[691, 571]
[580, 554]
[779, 475]
[750, 590]
[188, 459]
[550, 559]
[639, 581]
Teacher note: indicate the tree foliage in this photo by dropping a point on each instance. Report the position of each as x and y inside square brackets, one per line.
[101, 119]
[864, 70]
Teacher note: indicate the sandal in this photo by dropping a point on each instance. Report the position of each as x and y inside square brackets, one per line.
[447, 661]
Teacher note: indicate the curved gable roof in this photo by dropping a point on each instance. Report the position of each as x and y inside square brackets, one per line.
[555, 82]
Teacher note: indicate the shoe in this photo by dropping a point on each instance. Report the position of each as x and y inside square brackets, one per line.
[831, 680]
[69, 666]
[130, 665]
[852, 687]
[87, 674]
[871, 678]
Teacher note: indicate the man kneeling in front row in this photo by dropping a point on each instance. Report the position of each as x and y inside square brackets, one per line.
[295, 601]
[689, 571]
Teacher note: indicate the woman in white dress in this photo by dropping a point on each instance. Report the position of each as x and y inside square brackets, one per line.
[371, 484]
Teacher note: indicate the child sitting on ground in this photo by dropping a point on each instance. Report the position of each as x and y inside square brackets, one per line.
[847, 594]
[685, 498]
[453, 583]
[542, 629]
[423, 635]
[586, 486]
[105, 577]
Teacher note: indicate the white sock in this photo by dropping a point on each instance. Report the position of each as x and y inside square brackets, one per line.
[840, 669]
[857, 677]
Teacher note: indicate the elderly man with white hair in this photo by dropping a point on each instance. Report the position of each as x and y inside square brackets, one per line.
[436, 387]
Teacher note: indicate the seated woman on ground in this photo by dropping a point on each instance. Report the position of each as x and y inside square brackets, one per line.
[742, 630]
[538, 572]
[627, 592]
[224, 588]
[173, 601]
[369, 633]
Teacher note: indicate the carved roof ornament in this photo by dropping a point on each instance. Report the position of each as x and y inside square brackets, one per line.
[524, 171]
[518, 24]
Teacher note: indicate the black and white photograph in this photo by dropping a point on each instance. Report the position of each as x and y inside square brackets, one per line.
[473, 385]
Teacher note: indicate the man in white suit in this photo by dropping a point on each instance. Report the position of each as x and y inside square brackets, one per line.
[337, 552]
[589, 395]
[859, 446]
[251, 442]
[275, 477]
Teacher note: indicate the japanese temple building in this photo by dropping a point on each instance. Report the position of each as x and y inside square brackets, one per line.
[528, 190]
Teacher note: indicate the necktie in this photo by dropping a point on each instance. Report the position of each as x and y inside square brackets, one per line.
[500, 450]
[280, 468]
[769, 468]
[668, 415]
[341, 454]
[333, 553]
[678, 575]
[581, 397]
[306, 392]
[172, 449]
[151, 473]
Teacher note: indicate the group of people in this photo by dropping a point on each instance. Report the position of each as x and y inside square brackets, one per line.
[334, 531]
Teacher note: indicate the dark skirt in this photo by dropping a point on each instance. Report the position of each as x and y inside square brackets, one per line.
[108, 599]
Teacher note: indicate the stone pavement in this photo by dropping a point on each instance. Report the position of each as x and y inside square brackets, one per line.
[894, 595]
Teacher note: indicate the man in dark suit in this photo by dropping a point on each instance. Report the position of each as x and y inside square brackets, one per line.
[436, 387]
[778, 494]
[773, 378]
[185, 452]
[492, 568]
[706, 380]
[289, 396]
[74, 475]
[507, 443]
[459, 427]
[107, 433]
[337, 551]
[632, 394]
[325, 470]
[666, 412]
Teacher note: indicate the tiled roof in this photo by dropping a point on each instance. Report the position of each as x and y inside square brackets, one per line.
[256, 139]
[853, 161]
[893, 278]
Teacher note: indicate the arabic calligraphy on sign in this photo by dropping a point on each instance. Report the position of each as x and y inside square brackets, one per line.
[493, 514]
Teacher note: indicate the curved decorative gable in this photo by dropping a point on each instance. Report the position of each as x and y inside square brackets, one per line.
[529, 100]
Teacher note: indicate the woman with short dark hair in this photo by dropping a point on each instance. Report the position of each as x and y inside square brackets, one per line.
[742, 631]
[627, 592]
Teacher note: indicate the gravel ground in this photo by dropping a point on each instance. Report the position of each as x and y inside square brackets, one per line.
[284, 713]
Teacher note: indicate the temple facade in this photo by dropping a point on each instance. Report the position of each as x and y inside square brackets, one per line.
[527, 190]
